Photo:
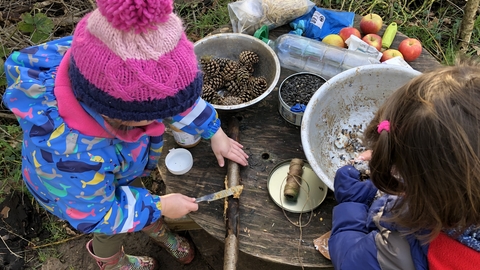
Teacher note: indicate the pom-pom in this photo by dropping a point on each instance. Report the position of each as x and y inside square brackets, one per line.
[139, 15]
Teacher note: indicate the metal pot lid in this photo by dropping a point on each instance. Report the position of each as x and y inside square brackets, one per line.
[312, 192]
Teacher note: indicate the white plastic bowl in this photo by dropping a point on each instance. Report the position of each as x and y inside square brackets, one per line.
[351, 97]
[179, 161]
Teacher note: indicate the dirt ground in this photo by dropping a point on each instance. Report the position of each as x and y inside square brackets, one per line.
[209, 255]
[23, 226]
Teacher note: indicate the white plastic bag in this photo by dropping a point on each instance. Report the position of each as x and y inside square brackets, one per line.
[249, 15]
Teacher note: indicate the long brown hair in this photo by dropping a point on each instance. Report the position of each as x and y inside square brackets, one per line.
[431, 155]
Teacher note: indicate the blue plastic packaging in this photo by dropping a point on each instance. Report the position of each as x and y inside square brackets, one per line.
[320, 22]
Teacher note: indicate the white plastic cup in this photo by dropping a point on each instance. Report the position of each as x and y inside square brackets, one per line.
[179, 161]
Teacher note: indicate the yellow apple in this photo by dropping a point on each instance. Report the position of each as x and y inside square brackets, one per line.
[389, 54]
[335, 40]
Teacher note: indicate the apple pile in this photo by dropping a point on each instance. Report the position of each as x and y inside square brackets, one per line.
[409, 49]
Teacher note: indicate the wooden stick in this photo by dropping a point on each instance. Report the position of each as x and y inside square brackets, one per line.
[232, 218]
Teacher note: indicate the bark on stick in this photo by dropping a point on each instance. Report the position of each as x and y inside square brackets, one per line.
[232, 220]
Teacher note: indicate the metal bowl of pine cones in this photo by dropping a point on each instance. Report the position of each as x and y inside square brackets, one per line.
[239, 70]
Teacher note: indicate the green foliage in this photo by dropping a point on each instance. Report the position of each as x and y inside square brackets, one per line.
[201, 20]
[45, 254]
[10, 159]
[39, 26]
[56, 228]
[3, 78]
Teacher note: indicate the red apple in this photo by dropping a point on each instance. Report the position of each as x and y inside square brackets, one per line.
[411, 48]
[389, 54]
[373, 40]
[371, 23]
[335, 40]
[346, 32]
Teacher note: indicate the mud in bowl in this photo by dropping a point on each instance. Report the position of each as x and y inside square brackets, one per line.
[295, 92]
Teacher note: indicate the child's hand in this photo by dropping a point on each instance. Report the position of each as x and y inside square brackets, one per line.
[225, 147]
[176, 205]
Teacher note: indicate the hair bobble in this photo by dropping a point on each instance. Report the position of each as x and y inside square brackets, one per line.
[384, 125]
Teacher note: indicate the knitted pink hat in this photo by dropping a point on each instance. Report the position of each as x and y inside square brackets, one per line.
[132, 61]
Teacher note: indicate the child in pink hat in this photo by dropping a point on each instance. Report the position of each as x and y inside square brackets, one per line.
[91, 108]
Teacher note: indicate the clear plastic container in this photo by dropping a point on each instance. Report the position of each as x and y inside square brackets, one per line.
[185, 139]
[305, 54]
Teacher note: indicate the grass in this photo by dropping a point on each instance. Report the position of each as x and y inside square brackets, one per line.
[435, 23]
[200, 19]
[10, 160]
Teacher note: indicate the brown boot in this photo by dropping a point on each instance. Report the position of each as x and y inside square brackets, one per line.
[122, 261]
[179, 247]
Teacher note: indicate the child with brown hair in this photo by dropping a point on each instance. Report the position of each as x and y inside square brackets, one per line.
[91, 108]
[425, 157]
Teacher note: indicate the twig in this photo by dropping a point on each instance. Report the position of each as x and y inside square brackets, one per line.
[16, 255]
[10, 232]
[58, 242]
[93, 4]
[8, 116]
[64, 21]
[4, 131]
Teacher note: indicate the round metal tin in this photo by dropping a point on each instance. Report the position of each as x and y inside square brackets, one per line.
[312, 192]
[284, 109]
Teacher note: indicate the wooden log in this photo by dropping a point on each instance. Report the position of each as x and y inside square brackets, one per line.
[232, 218]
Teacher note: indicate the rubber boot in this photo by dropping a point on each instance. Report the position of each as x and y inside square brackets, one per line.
[122, 261]
[179, 247]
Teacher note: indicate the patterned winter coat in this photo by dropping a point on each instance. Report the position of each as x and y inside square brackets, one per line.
[75, 166]
[361, 239]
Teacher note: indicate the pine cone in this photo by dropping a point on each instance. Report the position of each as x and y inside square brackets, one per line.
[248, 57]
[249, 67]
[215, 81]
[233, 88]
[221, 61]
[229, 71]
[210, 68]
[205, 59]
[230, 100]
[242, 76]
[209, 94]
[258, 85]
[246, 95]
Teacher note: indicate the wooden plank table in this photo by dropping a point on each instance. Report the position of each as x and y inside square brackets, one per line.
[268, 139]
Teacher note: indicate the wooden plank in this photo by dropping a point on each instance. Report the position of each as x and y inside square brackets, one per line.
[265, 232]
[184, 223]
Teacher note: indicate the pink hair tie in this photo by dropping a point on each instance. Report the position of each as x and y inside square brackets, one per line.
[384, 125]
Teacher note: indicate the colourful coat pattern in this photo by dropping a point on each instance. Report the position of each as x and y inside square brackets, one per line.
[82, 174]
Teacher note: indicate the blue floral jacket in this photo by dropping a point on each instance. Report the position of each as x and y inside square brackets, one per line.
[72, 163]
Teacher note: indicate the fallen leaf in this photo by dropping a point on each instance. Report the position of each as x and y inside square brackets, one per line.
[5, 212]
[321, 244]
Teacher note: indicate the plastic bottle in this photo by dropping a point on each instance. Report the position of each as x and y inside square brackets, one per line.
[305, 54]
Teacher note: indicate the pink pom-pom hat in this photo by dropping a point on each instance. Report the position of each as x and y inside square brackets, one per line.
[131, 60]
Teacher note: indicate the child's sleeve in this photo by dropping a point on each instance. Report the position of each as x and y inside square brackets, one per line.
[201, 119]
[349, 188]
[352, 243]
